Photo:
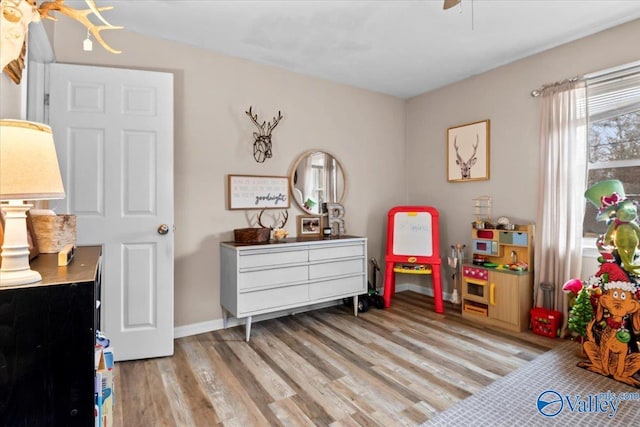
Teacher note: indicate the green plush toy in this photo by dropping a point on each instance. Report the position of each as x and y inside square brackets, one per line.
[623, 232]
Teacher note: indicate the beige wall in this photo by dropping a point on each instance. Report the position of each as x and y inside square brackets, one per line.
[213, 137]
[377, 138]
[502, 96]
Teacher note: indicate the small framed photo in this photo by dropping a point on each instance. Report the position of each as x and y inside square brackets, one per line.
[309, 226]
[468, 152]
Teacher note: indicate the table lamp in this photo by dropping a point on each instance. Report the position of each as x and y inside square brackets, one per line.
[28, 171]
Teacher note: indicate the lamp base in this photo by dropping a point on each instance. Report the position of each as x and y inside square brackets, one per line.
[14, 278]
[15, 268]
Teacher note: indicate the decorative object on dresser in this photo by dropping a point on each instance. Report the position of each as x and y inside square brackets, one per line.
[413, 247]
[286, 276]
[48, 342]
[468, 152]
[335, 218]
[316, 178]
[263, 233]
[262, 144]
[279, 222]
[28, 171]
[497, 287]
[251, 235]
[309, 225]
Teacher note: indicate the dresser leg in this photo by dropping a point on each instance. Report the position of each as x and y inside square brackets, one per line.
[247, 328]
[355, 305]
[225, 317]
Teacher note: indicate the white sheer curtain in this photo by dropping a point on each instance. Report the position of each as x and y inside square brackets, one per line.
[561, 186]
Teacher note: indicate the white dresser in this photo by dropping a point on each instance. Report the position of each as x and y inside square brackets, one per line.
[264, 278]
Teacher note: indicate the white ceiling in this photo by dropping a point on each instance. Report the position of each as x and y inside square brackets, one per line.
[397, 47]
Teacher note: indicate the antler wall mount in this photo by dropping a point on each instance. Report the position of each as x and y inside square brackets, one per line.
[16, 15]
[262, 143]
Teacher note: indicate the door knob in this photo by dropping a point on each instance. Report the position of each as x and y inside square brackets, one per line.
[163, 229]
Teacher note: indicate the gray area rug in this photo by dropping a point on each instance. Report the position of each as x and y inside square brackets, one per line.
[548, 391]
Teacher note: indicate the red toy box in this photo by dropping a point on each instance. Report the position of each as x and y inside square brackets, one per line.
[545, 322]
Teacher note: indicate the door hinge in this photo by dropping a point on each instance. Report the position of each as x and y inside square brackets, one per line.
[46, 99]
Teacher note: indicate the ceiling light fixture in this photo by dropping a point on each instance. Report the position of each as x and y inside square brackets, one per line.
[448, 4]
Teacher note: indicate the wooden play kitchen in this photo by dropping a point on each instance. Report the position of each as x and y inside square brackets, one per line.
[497, 286]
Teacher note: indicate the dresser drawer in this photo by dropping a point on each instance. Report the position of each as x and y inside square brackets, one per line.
[269, 258]
[335, 251]
[336, 268]
[273, 299]
[272, 276]
[337, 287]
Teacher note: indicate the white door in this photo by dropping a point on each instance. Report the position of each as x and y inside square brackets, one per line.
[113, 130]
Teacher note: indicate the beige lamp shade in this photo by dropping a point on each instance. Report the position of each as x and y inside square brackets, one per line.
[29, 167]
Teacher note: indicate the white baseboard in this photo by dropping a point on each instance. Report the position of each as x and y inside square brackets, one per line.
[421, 290]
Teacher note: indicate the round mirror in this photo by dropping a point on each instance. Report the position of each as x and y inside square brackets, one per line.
[317, 178]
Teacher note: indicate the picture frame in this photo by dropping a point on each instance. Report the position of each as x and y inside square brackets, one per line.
[309, 225]
[468, 152]
[257, 192]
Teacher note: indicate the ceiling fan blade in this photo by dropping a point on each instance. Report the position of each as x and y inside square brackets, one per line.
[448, 4]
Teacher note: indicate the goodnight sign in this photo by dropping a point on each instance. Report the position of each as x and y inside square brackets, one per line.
[257, 192]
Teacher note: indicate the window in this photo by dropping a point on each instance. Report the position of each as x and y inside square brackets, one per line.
[613, 105]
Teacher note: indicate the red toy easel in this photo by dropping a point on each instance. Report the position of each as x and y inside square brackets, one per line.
[413, 247]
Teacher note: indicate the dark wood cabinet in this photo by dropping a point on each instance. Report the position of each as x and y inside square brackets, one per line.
[47, 342]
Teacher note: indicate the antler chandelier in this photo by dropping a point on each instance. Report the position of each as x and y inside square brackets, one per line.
[16, 15]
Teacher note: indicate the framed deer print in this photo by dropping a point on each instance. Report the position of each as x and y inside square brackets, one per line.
[468, 152]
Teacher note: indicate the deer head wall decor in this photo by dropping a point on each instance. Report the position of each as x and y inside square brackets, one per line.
[465, 167]
[16, 15]
[262, 143]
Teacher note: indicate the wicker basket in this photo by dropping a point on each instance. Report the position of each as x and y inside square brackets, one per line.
[252, 235]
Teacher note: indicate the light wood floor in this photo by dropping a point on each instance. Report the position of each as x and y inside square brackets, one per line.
[390, 367]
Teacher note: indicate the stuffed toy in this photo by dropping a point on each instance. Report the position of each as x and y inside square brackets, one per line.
[623, 233]
[611, 345]
[609, 321]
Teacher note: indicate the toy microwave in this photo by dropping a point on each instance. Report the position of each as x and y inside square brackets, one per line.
[485, 247]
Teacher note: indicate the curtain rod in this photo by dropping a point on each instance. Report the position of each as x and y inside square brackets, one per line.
[537, 92]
